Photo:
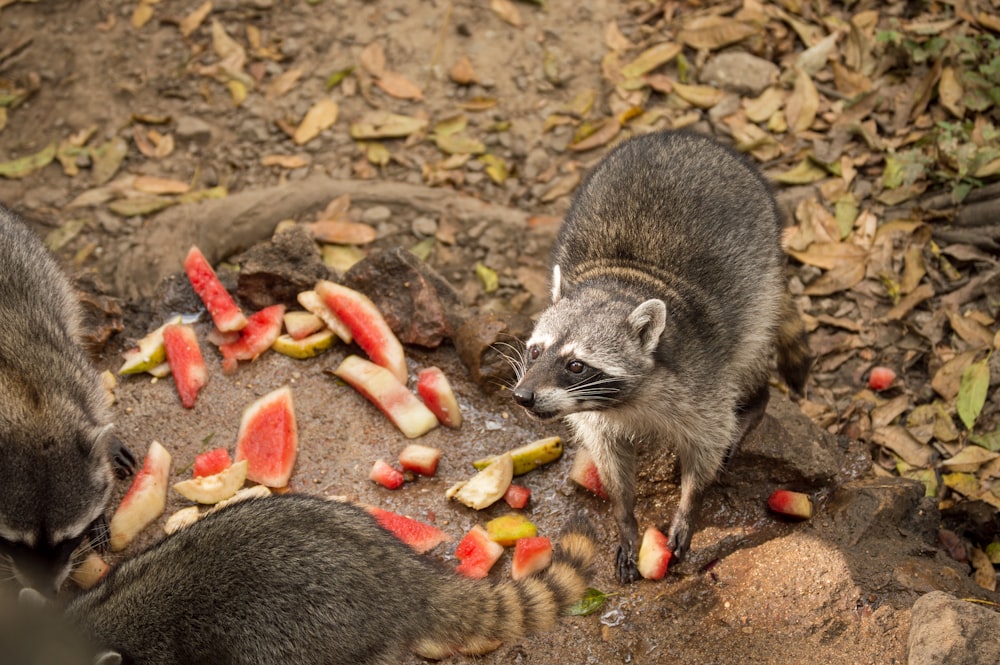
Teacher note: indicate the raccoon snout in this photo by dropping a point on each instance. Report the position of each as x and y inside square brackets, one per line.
[524, 396]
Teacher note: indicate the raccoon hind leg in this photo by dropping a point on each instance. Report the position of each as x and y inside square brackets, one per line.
[749, 413]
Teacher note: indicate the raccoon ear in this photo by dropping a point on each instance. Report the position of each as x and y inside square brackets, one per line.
[647, 322]
[108, 658]
[30, 599]
[556, 284]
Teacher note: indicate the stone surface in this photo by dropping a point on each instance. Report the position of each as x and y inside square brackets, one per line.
[276, 272]
[947, 631]
[740, 72]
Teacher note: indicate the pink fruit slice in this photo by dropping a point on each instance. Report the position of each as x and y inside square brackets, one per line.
[420, 459]
[517, 496]
[385, 475]
[211, 462]
[302, 324]
[314, 304]
[584, 472]
[881, 378]
[186, 362]
[477, 553]
[530, 556]
[268, 438]
[654, 554]
[420, 536]
[508, 529]
[257, 336]
[145, 500]
[434, 389]
[91, 571]
[790, 504]
[367, 325]
[220, 305]
[383, 390]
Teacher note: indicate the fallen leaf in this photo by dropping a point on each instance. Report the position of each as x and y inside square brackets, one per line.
[561, 187]
[224, 45]
[713, 32]
[478, 103]
[462, 71]
[983, 573]
[286, 161]
[507, 11]
[702, 96]
[334, 79]
[965, 484]
[496, 168]
[948, 378]
[190, 23]
[990, 441]
[282, 83]
[815, 58]
[58, 238]
[950, 92]
[906, 304]
[382, 124]
[141, 15]
[217, 192]
[398, 86]
[607, 131]
[829, 255]
[487, 277]
[650, 59]
[972, 391]
[969, 459]
[803, 173]
[837, 279]
[803, 104]
[140, 205]
[376, 153]
[342, 232]
[321, 116]
[761, 108]
[107, 158]
[976, 334]
[154, 185]
[459, 144]
[884, 414]
[899, 441]
[372, 59]
[614, 39]
[24, 166]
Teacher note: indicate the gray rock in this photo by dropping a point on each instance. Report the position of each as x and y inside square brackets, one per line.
[740, 72]
[424, 226]
[193, 130]
[376, 214]
[947, 631]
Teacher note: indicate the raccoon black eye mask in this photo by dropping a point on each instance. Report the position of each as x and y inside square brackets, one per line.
[668, 271]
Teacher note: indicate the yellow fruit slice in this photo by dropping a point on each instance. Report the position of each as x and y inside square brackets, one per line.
[149, 353]
[307, 347]
[529, 456]
[214, 488]
[486, 487]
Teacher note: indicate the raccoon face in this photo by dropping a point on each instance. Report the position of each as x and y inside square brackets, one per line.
[588, 358]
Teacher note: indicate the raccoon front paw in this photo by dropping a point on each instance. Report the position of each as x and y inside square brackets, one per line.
[626, 567]
[679, 541]
[122, 460]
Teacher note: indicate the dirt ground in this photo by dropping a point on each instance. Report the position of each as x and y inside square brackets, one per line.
[836, 589]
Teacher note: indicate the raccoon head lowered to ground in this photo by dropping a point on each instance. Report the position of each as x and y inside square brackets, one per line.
[588, 352]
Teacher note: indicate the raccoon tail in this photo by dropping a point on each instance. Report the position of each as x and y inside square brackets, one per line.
[485, 615]
[792, 346]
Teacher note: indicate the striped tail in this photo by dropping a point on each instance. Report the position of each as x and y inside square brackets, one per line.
[792, 346]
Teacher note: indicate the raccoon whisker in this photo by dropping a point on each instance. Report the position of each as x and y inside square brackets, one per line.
[514, 358]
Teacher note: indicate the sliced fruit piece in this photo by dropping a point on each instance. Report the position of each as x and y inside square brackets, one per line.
[145, 500]
[530, 556]
[434, 389]
[220, 305]
[421, 536]
[215, 488]
[382, 389]
[517, 496]
[180, 519]
[508, 529]
[211, 462]
[790, 504]
[90, 571]
[269, 439]
[385, 475]
[654, 554]
[186, 362]
[148, 353]
[420, 459]
[254, 492]
[219, 338]
[584, 472]
[881, 378]
[486, 487]
[477, 553]
[257, 336]
[306, 347]
[530, 455]
[368, 327]
[302, 324]
[312, 302]
[161, 371]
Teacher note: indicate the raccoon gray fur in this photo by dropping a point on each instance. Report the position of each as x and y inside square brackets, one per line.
[300, 579]
[667, 298]
[55, 445]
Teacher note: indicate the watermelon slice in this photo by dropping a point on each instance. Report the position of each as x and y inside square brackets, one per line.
[385, 475]
[90, 571]
[367, 325]
[211, 462]
[260, 332]
[477, 553]
[434, 389]
[268, 438]
[302, 324]
[149, 352]
[420, 459]
[584, 472]
[220, 305]
[420, 536]
[314, 304]
[145, 500]
[508, 529]
[517, 496]
[186, 362]
[382, 389]
[530, 556]
[790, 504]
[654, 554]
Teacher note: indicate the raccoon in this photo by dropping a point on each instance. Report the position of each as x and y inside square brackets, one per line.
[301, 579]
[56, 449]
[667, 298]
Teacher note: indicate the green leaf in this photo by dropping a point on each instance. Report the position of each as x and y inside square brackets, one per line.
[972, 392]
[488, 277]
[24, 166]
[990, 441]
[592, 601]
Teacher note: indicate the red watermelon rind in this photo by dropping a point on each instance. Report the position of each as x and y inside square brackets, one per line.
[220, 304]
[268, 439]
[421, 536]
[257, 336]
[187, 365]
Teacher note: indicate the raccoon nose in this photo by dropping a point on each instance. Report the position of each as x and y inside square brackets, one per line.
[524, 396]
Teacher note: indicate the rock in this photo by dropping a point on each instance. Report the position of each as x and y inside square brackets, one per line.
[193, 130]
[277, 270]
[740, 72]
[376, 214]
[414, 299]
[484, 340]
[947, 631]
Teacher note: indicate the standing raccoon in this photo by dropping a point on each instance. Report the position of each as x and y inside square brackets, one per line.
[55, 444]
[304, 580]
[667, 299]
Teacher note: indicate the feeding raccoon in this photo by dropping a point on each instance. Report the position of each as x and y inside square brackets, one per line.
[56, 450]
[667, 300]
[299, 579]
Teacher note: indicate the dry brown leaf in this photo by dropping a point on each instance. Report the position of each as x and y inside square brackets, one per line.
[976, 334]
[190, 23]
[913, 269]
[837, 279]
[337, 207]
[382, 125]
[712, 32]
[760, 109]
[142, 142]
[829, 255]
[507, 11]
[372, 59]
[883, 414]
[283, 82]
[342, 232]
[650, 59]
[950, 92]
[990, 21]
[224, 45]
[983, 573]
[398, 86]
[614, 39]
[286, 161]
[969, 459]
[462, 72]
[164, 143]
[142, 13]
[899, 441]
[561, 187]
[154, 185]
[702, 96]
[802, 104]
[602, 136]
[947, 380]
[321, 116]
[909, 301]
